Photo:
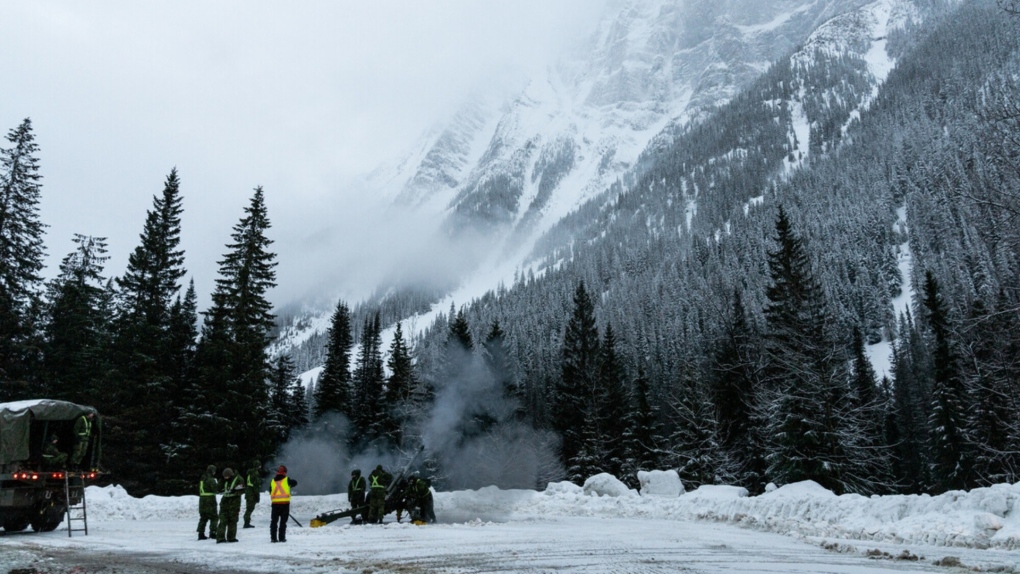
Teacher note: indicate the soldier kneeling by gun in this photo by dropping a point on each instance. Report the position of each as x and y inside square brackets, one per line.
[419, 494]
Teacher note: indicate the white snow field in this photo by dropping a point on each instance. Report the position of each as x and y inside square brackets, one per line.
[602, 527]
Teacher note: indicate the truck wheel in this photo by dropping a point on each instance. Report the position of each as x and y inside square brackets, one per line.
[15, 523]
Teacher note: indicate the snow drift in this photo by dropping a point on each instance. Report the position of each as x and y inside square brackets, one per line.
[981, 518]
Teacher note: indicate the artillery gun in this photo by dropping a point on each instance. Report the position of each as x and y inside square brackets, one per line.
[395, 495]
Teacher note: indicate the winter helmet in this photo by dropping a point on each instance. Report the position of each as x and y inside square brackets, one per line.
[228, 472]
[356, 472]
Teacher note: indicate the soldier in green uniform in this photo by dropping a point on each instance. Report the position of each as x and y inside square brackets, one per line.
[53, 457]
[82, 434]
[356, 494]
[230, 506]
[252, 484]
[207, 489]
[422, 504]
[377, 482]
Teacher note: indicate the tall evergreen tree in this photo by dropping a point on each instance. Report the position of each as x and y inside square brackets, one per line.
[77, 329]
[579, 374]
[908, 434]
[612, 410]
[370, 417]
[142, 381]
[951, 449]
[735, 393]
[299, 410]
[642, 435]
[21, 258]
[807, 374]
[333, 392]
[234, 362]
[399, 387]
[281, 378]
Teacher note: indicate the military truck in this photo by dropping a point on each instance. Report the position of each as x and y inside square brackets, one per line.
[36, 485]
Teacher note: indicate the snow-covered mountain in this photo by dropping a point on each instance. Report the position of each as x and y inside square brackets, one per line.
[520, 156]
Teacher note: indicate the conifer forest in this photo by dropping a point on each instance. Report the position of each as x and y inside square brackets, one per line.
[715, 312]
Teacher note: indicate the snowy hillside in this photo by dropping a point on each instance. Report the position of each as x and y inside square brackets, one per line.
[515, 166]
[602, 527]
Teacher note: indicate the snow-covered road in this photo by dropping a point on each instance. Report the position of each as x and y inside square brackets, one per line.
[554, 544]
[603, 527]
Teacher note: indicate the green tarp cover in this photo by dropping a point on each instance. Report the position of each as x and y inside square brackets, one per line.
[15, 419]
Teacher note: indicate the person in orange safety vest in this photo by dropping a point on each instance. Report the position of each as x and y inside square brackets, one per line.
[279, 494]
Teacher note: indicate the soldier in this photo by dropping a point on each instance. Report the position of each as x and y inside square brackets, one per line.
[230, 506]
[422, 505]
[378, 481]
[82, 434]
[207, 488]
[356, 494]
[279, 492]
[53, 457]
[252, 483]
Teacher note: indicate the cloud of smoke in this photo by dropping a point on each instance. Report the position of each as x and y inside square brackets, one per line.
[475, 431]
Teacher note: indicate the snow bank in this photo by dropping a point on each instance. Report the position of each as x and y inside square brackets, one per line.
[606, 485]
[982, 518]
[660, 483]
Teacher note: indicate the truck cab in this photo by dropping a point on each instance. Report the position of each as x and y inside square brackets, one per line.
[45, 460]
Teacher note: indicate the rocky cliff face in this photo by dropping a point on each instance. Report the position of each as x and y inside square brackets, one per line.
[513, 163]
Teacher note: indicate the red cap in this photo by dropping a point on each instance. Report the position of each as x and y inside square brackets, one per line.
[281, 470]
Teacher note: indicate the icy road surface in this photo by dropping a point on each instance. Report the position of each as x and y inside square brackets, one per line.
[554, 544]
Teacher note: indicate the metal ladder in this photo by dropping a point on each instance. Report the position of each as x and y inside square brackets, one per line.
[75, 484]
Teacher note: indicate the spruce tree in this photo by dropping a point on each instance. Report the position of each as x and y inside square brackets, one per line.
[612, 410]
[735, 394]
[21, 259]
[369, 419]
[579, 375]
[807, 374]
[144, 363]
[642, 435]
[76, 332]
[234, 362]
[281, 378]
[298, 409]
[399, 387]
[948, 424]
[333, 392]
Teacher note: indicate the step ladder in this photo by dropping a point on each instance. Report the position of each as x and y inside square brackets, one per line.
[74, 484]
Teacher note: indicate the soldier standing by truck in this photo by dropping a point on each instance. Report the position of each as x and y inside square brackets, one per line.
[82, 435]
[207, 488]
[378, 481]
[230, 506]
[252, 486]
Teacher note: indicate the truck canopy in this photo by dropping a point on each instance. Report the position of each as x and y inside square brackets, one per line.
[16, 421]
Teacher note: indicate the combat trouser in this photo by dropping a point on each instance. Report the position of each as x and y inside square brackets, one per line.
[230, 510]
[376, 505]
[207, 513]
[251, 498]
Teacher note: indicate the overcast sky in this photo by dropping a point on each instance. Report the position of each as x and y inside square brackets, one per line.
[299, 97]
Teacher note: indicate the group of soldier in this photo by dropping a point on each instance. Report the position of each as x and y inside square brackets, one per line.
[223, 523]
[414, 495]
